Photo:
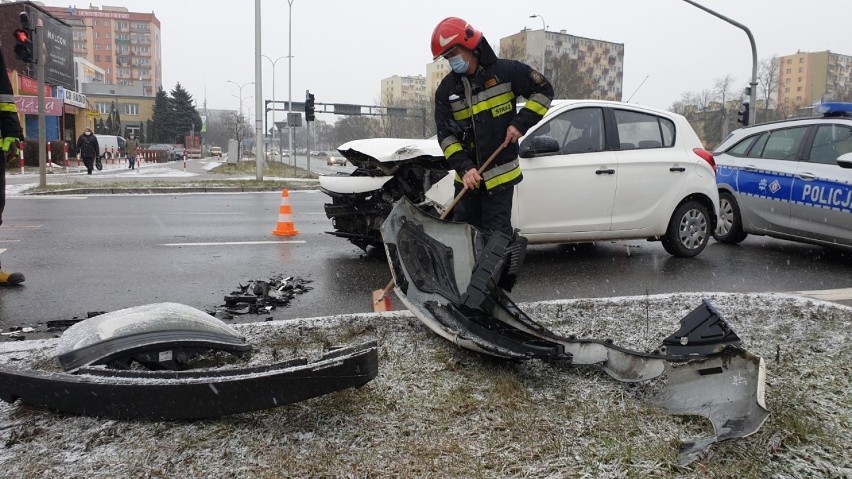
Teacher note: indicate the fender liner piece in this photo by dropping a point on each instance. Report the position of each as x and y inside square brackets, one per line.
[196, 394]
[705, 370]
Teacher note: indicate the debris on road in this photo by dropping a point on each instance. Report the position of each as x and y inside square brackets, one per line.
[261, 296]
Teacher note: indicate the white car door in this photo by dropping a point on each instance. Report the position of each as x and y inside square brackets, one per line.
[651, 171]
[570, 191]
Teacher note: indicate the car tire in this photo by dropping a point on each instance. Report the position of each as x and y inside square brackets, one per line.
[730, 228]
[688, 231]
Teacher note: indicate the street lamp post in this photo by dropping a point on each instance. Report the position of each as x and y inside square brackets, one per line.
[240, 86]
[273, 93]
[543, 40]
[290, 77]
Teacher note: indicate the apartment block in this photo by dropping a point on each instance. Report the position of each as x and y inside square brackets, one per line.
[404, 91]
[545, 50]
[125, 45]
[807, 78]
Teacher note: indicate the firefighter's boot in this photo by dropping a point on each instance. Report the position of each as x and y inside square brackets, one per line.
[10, 279]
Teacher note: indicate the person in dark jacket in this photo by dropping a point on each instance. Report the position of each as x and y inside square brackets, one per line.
[10, 134]
[476, 113]
[88, 149]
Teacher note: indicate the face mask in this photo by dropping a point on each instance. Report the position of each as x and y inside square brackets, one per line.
[458, 64]
[88, 133]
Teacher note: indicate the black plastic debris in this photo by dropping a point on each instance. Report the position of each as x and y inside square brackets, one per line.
[262, 296]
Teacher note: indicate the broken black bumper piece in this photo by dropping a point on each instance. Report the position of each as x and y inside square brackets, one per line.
[193, 394]
[163, 337]
[449, 276]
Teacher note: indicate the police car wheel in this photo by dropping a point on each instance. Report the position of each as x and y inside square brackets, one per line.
[689, 230]
[730, 228]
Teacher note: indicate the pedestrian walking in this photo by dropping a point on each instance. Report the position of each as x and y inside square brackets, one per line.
[88, 149]
[132, 145]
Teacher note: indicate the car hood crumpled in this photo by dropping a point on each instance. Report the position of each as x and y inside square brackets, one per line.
[386, 150]
[440, 272]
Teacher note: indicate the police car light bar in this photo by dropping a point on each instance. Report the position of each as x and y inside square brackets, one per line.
[835, 108]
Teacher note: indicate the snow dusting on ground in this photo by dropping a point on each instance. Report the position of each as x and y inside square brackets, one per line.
[439, 411]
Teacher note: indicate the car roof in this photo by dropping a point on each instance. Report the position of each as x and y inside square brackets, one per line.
[737, 135]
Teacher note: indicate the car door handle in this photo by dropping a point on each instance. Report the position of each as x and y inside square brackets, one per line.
[806, 176]
[677, 168]
[750, 168]
[605, 172]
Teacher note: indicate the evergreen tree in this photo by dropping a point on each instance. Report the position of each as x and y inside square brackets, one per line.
[117, 128]
[186, 117]
[162, 119]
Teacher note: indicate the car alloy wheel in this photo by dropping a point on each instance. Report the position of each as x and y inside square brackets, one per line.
[730, 228]
[689, 230]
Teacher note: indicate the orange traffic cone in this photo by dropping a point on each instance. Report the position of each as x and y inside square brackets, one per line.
[285, 226]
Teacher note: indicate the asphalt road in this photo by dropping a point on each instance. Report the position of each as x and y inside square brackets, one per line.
[101, 253]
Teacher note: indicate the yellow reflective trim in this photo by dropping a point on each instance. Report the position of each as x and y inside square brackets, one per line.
[536, 107]
[458, 178]
[454, 148]
[504, 178]
[8, 107]
[484, 105]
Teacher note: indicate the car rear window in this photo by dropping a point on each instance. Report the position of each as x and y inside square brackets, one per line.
[741, 148]
[642, 130]
[830, 142]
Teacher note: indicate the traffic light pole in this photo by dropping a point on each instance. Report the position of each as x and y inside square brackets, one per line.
[753, 93]
[42, 134]
[308, 132]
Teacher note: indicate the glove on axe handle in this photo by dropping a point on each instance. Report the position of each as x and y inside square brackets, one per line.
[449, 210]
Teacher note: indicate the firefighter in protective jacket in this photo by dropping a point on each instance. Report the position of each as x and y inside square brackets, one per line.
[10, 135]
[476, 112]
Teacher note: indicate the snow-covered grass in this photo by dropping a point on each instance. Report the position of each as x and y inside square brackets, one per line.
[439, 411]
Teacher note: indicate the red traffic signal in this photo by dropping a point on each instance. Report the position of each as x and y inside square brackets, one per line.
[24, 46]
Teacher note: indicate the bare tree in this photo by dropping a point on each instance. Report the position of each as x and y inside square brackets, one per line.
[569, 79]
[356, 128]
[238, 129]
[767, 77]
[723, 89]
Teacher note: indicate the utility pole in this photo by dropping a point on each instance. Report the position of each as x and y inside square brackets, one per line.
[42, 126]
[258, 95]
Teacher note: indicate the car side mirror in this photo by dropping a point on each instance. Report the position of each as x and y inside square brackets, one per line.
[845, 160]
[538, 146]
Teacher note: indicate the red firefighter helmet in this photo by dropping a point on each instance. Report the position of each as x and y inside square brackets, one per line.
[451, 32]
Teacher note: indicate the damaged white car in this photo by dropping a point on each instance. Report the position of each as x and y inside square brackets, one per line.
[593, 170]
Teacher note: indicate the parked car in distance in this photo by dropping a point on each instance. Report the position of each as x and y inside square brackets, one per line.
[593, 170]
[789, 179]
[216, 151]
[169, 149]
[179, 153]
[111, 145]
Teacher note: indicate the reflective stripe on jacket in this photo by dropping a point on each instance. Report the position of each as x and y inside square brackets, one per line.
[469, 132]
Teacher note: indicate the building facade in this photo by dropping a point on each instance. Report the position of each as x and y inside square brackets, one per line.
[603, 61]
[134, 108]
[404, 91]
[435, 72]
[805, 79]
[125, 45]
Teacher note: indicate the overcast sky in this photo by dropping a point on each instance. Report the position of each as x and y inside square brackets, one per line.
[342, 49]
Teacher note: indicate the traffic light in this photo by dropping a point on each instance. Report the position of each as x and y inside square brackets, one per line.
[309, 107]
[24, 40]
[743, 113]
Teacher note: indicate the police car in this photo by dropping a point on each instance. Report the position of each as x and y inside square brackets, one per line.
[789, 179]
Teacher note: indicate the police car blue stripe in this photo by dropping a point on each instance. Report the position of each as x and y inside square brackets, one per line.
[834, 195]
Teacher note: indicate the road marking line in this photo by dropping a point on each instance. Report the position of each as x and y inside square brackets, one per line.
[828, 294]
[233, 243]
[22, 227]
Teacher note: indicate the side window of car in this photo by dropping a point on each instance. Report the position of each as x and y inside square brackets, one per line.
[830, 142]
[782, 144]
[576, 131]
[741, 148]
[642, 131]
